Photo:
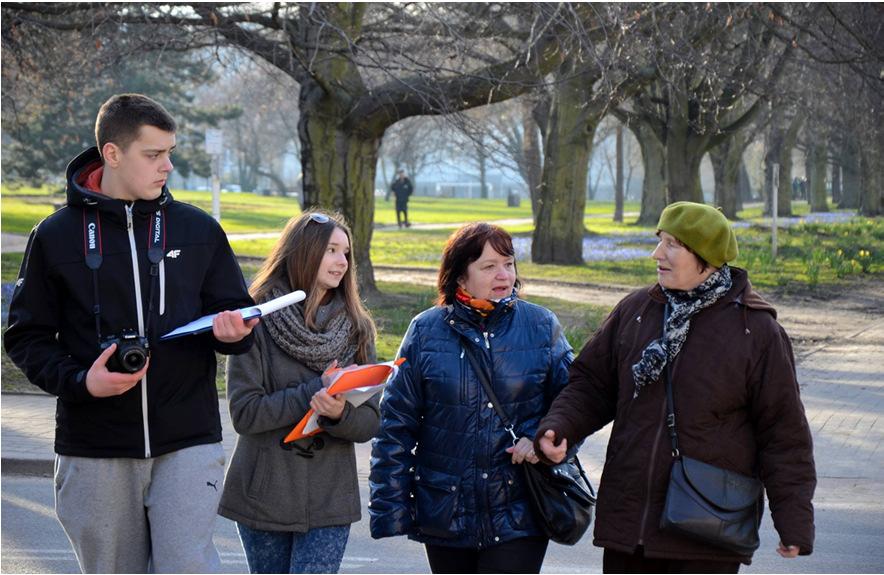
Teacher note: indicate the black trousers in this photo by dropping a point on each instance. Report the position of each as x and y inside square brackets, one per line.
[619, 562]
[523, 555]
[401, 214]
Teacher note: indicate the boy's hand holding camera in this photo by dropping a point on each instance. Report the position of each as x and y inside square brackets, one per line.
[227, 327]
[104, 383]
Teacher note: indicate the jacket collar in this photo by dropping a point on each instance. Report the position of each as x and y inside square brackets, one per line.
[741, 292]
[79, 195]
[457, 315]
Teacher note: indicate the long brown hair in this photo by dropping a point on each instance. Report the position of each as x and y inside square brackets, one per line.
[464, 246]
[293, 264]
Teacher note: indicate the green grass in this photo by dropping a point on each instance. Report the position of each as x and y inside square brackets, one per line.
[245, 213]
[393, 310]
[248, 213]
[240, 213]
[25, 190]
[398, 303]
[799, 208]
[11, 263]
[19, 215]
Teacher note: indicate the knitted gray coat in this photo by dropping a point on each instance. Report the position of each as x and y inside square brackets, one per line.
[272, 489]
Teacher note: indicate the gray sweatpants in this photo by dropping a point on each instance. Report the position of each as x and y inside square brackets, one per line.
[139, 515]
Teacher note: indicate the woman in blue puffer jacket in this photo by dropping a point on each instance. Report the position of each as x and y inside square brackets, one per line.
[444, 471]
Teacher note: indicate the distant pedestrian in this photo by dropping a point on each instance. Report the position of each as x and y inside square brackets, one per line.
[293, 506]
[402, 189]
[444, 470]
[736, 401]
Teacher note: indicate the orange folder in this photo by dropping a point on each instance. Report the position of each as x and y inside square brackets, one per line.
[357, 384]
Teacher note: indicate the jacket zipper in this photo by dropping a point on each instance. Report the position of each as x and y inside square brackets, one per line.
[641, 533]
[162, 286]
[487, 344]
[131, 229]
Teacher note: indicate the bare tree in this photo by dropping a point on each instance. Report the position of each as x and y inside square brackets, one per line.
[360, 68]
[412, 144]
[716, 65]
[842, 49]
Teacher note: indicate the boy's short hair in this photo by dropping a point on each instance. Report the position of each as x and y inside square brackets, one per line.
[121, 117]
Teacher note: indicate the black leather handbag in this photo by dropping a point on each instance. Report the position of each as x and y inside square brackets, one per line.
[707, 503]
[562, 496]
[563, 499]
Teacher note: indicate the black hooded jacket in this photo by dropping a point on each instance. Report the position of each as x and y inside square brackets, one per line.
[52, 333]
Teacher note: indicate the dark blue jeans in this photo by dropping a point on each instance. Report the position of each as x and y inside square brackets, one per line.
[319, 550]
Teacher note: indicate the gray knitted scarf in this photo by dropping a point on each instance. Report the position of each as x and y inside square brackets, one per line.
[314, 349]
[683, 305]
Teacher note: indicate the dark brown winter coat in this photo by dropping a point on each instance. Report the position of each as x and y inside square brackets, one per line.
[737, 405]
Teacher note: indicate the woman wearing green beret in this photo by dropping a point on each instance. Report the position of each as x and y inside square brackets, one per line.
[735, 395]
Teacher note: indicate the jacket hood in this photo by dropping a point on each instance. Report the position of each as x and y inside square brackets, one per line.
[741, 292]
[78, 195]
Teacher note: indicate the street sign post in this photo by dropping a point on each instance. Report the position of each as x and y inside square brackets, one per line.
[214, 148]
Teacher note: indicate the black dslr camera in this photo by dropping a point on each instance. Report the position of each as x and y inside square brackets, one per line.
[131, 353]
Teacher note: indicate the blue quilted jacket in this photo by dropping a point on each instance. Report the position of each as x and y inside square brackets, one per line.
[439, 470]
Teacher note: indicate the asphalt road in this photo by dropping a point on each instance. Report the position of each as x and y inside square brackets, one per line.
[848, 539]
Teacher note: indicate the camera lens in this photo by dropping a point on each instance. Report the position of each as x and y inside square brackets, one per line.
[133, 360]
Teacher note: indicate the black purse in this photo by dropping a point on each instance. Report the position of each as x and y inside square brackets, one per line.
[707, 503]
[561, 495]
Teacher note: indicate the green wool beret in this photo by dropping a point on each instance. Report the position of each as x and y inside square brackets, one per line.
[702, 228]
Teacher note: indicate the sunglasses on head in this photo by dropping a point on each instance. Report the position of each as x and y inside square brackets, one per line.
[319, 218]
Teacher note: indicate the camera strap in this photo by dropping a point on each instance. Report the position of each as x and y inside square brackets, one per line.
[156, 249]
[94, 258]
[92, 247]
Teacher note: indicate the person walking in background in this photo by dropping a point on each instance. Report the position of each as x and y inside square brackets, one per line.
[402, 189]
[444, 471]
[736, 398]
[293, 507]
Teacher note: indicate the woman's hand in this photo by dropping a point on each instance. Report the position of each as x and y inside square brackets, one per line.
[330, 406]
[330, 374]
[523, 450]
[553, 452]
[789, 552]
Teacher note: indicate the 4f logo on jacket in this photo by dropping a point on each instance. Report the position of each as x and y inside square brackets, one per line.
[173, 254]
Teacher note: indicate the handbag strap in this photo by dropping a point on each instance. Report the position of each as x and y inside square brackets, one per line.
[670, 401]
[486, 384]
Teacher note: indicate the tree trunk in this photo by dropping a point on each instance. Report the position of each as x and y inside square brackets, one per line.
[727, 158]
[339, 171]
[744, 187]
[784, 197]
[818, 181]
[767, 185]
[558, 236]
[836, 183]
[531, 155]
[683, 157]
[808, 170]
[618, 180]
[850, 166]
[482, 159]
[273, 177]
[776, 137]
[654, 182]
[871, 200]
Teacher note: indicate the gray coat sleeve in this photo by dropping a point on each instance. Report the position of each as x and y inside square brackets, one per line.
[357, 424]
[254, 407]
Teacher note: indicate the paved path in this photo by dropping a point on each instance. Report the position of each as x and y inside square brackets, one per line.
[842, 385]
[13, 243]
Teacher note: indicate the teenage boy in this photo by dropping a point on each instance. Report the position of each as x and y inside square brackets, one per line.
[140, 464]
